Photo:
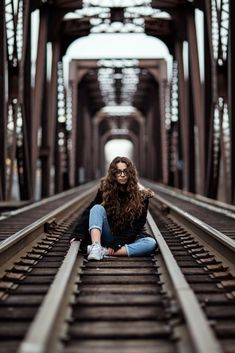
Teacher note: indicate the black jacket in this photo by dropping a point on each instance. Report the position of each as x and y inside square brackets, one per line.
[125, 236]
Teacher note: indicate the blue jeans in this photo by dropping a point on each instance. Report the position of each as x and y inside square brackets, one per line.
[98, 220]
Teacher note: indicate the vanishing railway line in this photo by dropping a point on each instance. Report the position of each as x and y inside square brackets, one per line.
[179, 300]
[14, 221]
[29, 224]
[203, 210]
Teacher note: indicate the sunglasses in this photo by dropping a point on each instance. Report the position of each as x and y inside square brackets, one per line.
[120, 172]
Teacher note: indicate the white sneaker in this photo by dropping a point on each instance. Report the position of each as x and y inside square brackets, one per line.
[104, 251]
[95, 251]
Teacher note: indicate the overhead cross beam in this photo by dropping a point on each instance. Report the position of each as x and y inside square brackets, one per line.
[192, 117]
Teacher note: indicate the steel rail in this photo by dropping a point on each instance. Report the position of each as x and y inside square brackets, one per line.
[202, 336]
[46, 200]
[208, 204]
[19, 240]
[220, 242]
[44, 332]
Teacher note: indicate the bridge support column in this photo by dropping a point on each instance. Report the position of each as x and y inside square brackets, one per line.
[185, 125]
[3, 105]
[197, 99]
[231, 94]
[40, 88]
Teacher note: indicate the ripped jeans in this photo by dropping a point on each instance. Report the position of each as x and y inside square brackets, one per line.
[98, 220]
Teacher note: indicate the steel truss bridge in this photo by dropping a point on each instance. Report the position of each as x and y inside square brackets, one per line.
[182, 124]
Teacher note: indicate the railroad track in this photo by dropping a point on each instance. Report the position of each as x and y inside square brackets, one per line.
[211, 281]
[28, 226]
[15, 221]
[212, 222]
[181, 299]
[200, 207]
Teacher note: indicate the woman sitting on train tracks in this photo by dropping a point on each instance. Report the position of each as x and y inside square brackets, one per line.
[114, 222]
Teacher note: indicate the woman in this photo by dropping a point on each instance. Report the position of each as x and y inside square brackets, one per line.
[114, 222]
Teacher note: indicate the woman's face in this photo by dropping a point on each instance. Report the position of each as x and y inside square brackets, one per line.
[121, 173]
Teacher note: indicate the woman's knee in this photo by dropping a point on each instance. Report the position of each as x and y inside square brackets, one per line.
[150, 243]
[141, 247]
[96, 217]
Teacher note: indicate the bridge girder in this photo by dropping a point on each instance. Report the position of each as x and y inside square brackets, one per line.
[195, 138]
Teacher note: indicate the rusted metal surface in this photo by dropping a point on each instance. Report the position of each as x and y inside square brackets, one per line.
[211, 223]
[3, 108]
[84, 83]
[231, 80]
[220, 219]
[212, 283]
[23, 294]
[127, 303]
[120, 309]
[193, 126]
[21, 219]
[196, 96]
[201, 333]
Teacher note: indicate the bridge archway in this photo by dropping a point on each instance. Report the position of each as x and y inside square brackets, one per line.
[117, 147]
[197, 145]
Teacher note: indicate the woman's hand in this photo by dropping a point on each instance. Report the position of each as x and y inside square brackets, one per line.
[111, 251]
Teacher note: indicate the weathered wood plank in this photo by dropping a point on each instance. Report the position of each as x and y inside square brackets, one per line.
[140, 288]
[119, 279]
[117, 299]
[119, 271]
[12, 329]
[117, 346]
[119, 313]
[116, 329]
[119, 264]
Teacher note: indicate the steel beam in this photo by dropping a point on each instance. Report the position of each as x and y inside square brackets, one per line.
[156, 134]
[74, 167]
[141, 141]
[39, 90]
[183, 116]
[231, 92]
[211, 97]
[53, 147]
[79, 160]
[197, 98]
[95, 144]
[24, 104]
[3, 104]
[149, 145]
[87, 143]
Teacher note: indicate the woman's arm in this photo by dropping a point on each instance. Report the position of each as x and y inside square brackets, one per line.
[128, 235]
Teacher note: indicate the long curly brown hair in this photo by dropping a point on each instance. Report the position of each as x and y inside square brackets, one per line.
[123, 203]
